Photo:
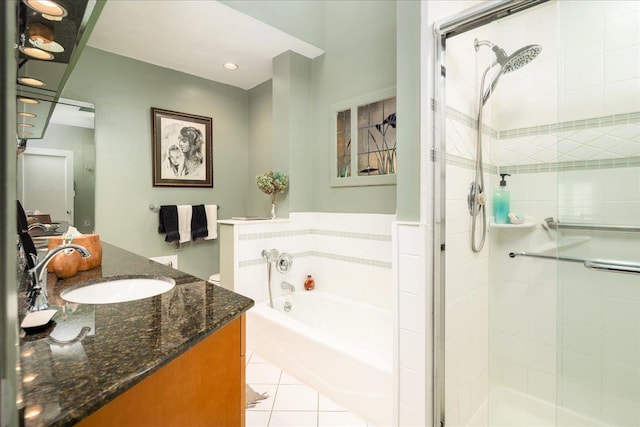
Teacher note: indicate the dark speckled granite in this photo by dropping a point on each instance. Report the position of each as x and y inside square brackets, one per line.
[89, 354]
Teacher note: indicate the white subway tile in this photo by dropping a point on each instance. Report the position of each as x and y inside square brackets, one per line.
[511, 374]
[542, 357]
[620, 379]
[412, 351]
[410, 417]
[621, 347]
[542, 385]
[412, 313]
[411, 274]
[412, 389]
[620, 411]
[580, 398]
[581, 338]
[581, 369]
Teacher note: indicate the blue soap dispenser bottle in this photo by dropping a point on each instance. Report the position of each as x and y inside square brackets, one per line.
[501, 202]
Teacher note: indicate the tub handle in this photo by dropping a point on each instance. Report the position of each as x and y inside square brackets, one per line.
[284, 263]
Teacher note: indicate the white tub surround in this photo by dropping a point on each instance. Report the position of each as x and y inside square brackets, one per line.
[340, 347]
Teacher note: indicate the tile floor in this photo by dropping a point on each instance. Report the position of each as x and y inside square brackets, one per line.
[290, 402]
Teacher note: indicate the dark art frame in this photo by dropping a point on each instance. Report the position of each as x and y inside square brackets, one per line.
[157, 116]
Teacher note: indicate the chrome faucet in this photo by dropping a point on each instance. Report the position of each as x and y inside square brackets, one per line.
[287, 285]
[37, 225]
[37, 276]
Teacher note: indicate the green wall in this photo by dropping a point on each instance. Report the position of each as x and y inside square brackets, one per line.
[408, 104]
[360, 59]
[81, 141]
[123, 91]
[260, 141]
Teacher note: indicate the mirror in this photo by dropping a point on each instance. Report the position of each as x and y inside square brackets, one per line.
[56, 173]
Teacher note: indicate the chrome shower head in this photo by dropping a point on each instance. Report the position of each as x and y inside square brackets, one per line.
[521, 57]
[508, 63]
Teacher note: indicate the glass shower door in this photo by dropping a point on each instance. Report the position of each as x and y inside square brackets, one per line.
[598, 214]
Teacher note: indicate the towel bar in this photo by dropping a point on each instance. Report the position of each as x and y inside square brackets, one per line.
[155, 208]
[592, 264]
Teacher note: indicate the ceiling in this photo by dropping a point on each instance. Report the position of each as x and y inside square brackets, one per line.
[195, 37]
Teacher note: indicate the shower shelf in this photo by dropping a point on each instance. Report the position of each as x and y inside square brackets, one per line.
[529, 222]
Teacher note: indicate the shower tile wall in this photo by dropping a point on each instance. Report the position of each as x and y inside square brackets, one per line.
[467, 286]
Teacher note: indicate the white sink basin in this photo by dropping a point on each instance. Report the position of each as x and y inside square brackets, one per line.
[118, 289]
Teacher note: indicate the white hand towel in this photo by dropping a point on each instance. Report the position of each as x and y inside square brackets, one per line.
[212, 221]
[184, 222]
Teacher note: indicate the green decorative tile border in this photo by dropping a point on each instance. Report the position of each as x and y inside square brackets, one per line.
[625, 162]
[316, 232]
[592, 123]
[326, 255]
[469, 164]
[472, 123]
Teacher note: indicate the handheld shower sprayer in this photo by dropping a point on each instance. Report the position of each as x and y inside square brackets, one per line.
[507, 63]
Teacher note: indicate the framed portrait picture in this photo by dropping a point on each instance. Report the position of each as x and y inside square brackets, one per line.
[182, 149]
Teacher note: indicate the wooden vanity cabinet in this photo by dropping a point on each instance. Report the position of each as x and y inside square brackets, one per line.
[205, 386]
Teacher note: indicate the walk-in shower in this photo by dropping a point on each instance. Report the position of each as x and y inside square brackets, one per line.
[541, 328]
[506, 63]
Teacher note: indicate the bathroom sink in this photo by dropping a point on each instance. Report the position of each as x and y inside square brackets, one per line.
[117, 289]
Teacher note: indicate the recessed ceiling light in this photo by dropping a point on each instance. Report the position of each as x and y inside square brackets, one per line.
[34, 52]
[25, 114]
[47, 7]
[30, 81]
[230, 66]
[29, 101]
[25, 125]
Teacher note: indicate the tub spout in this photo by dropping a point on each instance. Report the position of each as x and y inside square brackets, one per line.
[287, 285]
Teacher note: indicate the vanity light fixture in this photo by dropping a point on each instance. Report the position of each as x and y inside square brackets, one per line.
[29, 378]
[36, 53]
[29, 101]
[23, 134]
[30, 81]
[25, 125]
[230, 66]
[25, 114]
[32, 411]
[48, 8]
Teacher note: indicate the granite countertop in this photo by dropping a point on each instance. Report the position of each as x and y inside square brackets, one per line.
[89, 354]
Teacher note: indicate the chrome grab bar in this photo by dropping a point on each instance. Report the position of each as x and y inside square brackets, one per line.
[557, 225]
[592, 264]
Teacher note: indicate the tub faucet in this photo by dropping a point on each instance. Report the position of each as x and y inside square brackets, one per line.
[37, 276]
[287, 285]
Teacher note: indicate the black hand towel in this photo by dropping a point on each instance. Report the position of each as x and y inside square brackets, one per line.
[169, 223]
[198, 222]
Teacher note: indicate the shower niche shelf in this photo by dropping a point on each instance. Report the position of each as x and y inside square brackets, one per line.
[529, 222]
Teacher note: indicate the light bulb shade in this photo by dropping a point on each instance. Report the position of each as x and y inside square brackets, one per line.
[47, 7]
[30, 81]
[25, 125]
[36, 53]
[25, 114]
[28, 101]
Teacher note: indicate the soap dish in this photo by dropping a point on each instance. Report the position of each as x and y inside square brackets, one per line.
[36, 319]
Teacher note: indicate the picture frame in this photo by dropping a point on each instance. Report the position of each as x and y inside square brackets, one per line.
[182, 146]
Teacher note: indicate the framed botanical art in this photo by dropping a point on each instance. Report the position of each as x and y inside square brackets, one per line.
[182, 149]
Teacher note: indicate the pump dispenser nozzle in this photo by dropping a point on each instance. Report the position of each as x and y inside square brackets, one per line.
[503, 182]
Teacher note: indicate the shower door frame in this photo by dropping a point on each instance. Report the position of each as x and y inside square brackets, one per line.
[453, 25]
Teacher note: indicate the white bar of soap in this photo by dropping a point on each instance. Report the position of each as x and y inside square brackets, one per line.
[33, 319]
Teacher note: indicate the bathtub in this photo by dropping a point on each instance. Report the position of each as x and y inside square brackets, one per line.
[340, 347]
